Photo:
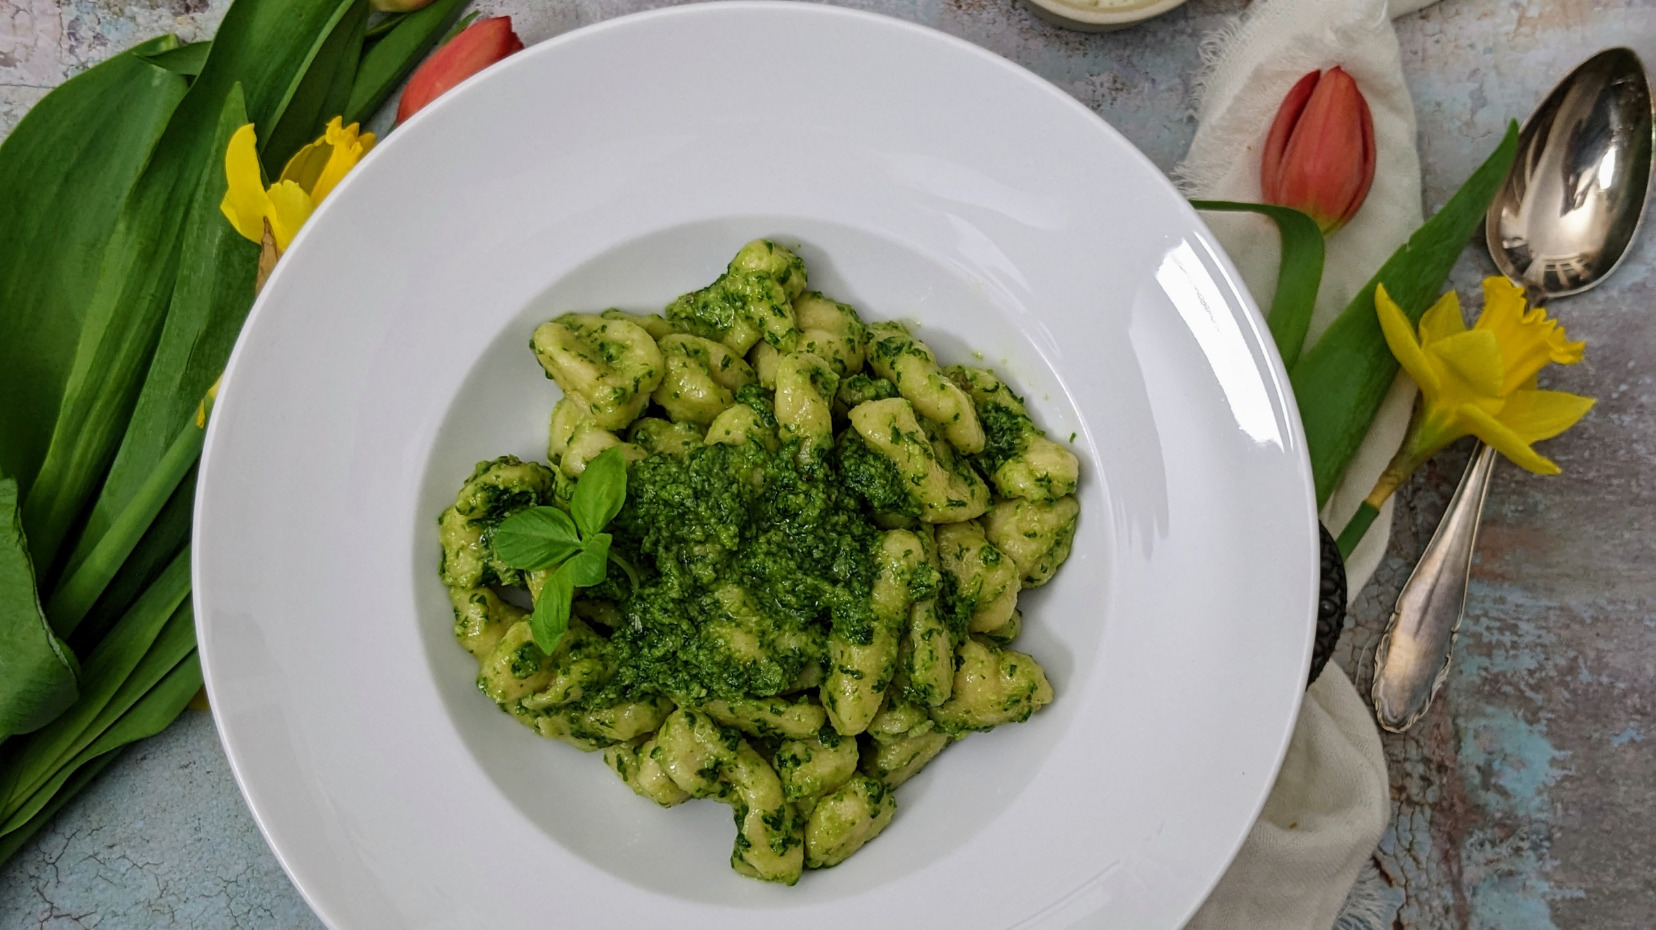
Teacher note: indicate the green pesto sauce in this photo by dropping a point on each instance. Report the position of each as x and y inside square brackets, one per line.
[860, 388]
[794, 537]
[1006, 433]
[759, 401]
[955, 609]
[736, 297]
[872, 477]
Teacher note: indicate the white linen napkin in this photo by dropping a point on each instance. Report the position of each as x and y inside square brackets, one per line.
[1331, 802]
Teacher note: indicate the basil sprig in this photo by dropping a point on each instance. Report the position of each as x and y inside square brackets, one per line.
[541, 537]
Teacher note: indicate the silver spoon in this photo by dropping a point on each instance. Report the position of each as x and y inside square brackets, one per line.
[1558, 226]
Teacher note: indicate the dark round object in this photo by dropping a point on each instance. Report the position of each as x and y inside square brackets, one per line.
[1331, 604]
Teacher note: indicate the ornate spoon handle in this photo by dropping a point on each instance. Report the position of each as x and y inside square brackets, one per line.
[1413, 657]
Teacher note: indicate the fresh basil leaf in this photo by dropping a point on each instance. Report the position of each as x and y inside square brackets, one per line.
[626, 566]
[600, 491]
[591, 564]
[551, 616]
[535, 538]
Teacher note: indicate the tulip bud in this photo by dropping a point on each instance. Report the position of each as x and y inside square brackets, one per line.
[399, 6]
[476, 47]
[1319, 156]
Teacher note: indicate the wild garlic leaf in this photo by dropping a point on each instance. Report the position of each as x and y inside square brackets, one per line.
[65, 172]
[275, 50]
[38, 673]
[551, 616]
[591, 564]
[403, 43]
[535, 538]
[600, 491]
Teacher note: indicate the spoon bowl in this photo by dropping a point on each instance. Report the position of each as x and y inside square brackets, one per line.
[1576, 193]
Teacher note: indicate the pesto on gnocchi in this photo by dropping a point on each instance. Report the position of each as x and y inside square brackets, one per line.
[825, 534]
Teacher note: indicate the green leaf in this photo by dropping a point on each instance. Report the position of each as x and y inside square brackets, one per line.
[382, 23]
[161, 543]
[391, 59]
[1299, 272]
[551, 616]
[600, 491]
[13, 841]
[535, 538]
[210, 300]
[173, 646]
[460, 26]
[591, 565]
[264, 44]
[106, 670]
[86, 583]
[322, 89]
[37, 671]
[1355, 528]
[1340, 381]
[626, 568]
[185, 60]
[64, 173]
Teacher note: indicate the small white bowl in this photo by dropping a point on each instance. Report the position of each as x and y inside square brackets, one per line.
[1105, 16]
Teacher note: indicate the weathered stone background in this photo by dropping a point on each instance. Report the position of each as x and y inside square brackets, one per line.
[1525, 801]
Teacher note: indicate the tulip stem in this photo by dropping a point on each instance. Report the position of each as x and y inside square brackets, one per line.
[1299, 272]
[1354, 530]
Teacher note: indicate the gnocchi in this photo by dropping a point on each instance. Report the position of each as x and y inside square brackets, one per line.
[825, 536]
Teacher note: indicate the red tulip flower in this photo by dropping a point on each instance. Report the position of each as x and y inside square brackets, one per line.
[1319, 157]
[477, 46]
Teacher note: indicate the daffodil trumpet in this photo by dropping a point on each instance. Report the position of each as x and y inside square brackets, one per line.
[1478, 381]
[307, 179]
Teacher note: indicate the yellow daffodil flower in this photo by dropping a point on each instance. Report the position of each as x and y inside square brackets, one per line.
[1474, 382]
[310, 175]
[1480, 381]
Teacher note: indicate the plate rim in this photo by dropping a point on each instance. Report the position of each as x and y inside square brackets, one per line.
[1272, 372]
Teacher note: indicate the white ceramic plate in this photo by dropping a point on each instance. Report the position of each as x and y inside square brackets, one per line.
[921, 178]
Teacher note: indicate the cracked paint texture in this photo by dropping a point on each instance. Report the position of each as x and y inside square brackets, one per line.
[161, 841]
[1525, 800]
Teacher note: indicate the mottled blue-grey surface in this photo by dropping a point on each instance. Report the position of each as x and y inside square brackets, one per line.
[1526, 800]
